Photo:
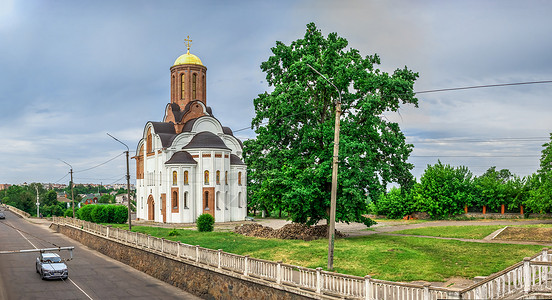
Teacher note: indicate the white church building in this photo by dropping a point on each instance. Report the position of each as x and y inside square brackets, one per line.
[189, 164]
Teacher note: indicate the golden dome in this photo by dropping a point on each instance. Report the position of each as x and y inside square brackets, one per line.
[187, 59]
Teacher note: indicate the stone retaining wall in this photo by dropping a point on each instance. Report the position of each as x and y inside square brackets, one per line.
[200, 281]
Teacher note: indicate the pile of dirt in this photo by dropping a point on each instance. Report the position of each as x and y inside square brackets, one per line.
[535, 234]
[291, 231]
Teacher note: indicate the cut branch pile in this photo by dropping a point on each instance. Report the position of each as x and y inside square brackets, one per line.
[293, 231]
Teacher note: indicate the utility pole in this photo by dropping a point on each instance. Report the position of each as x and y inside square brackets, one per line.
[71, 183]
[128, 181]
[331, 230]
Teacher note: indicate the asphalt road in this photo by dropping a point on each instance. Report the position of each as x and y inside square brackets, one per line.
[91, 275]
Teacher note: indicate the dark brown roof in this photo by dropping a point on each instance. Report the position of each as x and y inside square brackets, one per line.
[163, 127]
[181, 157]
[166, 132]
[235, 160]
[206, 139]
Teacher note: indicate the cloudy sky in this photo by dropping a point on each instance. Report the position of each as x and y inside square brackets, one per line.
[71, 71]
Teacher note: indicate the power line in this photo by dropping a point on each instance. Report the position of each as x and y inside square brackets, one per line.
[489, 140]
[438, 90]
[99, 165]
[483, 86]
[61, 178]
[477, 156]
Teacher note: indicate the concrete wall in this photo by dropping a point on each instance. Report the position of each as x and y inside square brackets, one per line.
[200, 281]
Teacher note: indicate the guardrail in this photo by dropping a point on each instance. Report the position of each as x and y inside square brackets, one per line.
[17, 211]
[534, 274]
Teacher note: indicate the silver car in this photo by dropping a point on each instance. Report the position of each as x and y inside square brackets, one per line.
[51, 266]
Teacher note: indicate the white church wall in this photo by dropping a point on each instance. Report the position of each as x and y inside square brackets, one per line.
[207, 124]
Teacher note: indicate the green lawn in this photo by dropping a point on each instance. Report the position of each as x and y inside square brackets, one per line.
[394, 258]
[465, 232]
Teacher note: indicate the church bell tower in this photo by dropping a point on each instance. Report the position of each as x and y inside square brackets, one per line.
[188, 79]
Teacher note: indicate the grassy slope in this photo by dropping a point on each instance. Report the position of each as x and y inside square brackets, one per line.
[384, 257]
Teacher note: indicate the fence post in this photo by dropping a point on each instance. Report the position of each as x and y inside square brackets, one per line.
[426, 291]
[136, 238]
[526, 275]
[545, 258]
[245, 271]
[279, 272]
[107, 231]
[197, 253]
[178, 246]
[318, 280]
[162, 245]
[219, 258]
[367, 287]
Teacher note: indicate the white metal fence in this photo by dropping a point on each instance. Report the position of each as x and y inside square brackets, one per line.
[534, 274]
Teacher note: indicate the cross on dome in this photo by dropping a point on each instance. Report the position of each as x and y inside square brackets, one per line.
[188, 42]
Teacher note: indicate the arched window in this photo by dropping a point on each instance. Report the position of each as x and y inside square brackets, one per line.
[239, 199]
[194, 86]
[149, 147]
[226, 177]
[206, 179]
[160, 178]
[206, 200]
[183, 86]
[175, 178]
[185, 177]
[204, 89]
[174, 200]
[239, 178]
[173, 87]
[217, 201]
[186, 200]
[218, 177]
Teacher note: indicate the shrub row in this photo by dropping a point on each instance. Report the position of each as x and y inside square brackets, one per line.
[102, 213]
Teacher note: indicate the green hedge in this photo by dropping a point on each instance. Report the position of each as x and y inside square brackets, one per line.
[103, 213]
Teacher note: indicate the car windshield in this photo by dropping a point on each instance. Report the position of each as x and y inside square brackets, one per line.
[52, 259]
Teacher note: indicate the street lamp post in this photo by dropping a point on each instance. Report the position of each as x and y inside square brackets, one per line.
[37, 203]
[331, 230]
[128, 181]
[72, 197]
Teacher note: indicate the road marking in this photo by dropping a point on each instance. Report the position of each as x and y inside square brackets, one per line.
[26, 238]
[78, 287]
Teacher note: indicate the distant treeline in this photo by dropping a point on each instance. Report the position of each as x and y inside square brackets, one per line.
[444, 191]
[24, 197]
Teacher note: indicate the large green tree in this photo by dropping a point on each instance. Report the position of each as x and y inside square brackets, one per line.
[290, 160]
[443, 190]
[540, 196]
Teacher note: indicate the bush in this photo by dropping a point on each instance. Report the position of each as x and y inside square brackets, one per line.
[205, 223]
[109, 211]
[174, 232]
[394, 204]
[120, 214]
[69, 213]
[99, 214]
[84, 213]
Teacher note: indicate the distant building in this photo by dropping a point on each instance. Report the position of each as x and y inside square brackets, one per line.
[4, 186]
[189, 164]
[90, 199]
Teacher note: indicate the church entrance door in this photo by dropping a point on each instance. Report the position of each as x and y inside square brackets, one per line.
[151, 208]
[209, 201]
